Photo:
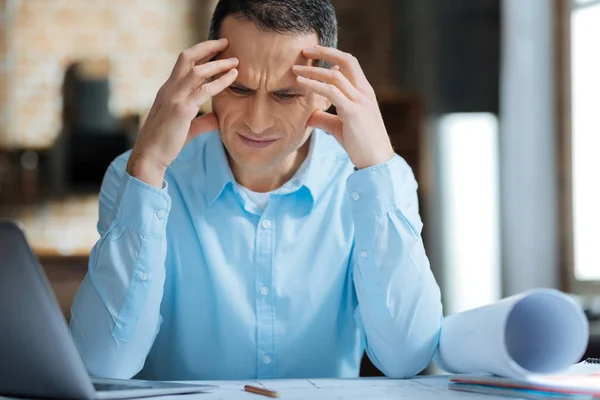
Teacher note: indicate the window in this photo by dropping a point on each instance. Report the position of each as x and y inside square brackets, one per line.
[468, 165]
[585, 136]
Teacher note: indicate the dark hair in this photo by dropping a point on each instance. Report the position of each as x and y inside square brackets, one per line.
[281, 16]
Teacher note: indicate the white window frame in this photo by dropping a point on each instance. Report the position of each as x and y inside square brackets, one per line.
[585, 287]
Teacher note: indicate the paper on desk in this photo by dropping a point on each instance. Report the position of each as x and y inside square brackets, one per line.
[540, 331]
[422, 388]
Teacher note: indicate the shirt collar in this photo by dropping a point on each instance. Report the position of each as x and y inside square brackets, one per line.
[317, 175]
[218, 172]
[309, 175]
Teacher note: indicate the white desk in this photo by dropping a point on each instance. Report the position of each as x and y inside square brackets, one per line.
[421, 388]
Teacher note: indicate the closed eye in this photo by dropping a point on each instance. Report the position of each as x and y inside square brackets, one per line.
[287, 96]
[240, 91]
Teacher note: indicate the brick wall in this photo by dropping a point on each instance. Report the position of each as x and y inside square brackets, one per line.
[140, 38]
[3, 66]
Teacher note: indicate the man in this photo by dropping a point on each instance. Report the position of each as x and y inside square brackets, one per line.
[249, 243]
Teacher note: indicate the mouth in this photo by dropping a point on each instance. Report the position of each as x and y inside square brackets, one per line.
[256, 143]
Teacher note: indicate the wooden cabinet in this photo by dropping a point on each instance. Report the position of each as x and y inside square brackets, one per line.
[403, 116]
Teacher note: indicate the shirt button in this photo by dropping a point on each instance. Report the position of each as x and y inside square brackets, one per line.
[266, 224]
[355, 195]
[162, 213]
[143, 276]
[264, 290]
[267, 359]
[364, 254]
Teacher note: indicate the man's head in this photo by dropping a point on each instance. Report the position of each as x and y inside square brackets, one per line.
[265, 103]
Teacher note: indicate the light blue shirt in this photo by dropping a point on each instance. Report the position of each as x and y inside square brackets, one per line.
[195, 281]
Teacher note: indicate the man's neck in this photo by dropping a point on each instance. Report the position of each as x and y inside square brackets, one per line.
[272, 178]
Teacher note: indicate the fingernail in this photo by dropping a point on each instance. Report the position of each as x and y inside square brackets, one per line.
[233, 59]
[301, 79]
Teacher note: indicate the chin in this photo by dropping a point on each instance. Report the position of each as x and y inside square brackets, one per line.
[253, 159]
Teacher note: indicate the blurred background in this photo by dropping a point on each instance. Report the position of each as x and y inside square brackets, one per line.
[494, 104]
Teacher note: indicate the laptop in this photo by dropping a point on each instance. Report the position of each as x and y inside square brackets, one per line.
[38, 357]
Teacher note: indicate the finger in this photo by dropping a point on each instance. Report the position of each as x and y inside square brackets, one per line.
[330, 76]
[215, 67]
[199, 74]
[328, 122]
[188, 58]
[331, 92]
[203, 124]
[211, 89]
[347, 63]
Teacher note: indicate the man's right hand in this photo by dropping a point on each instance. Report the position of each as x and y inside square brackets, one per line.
[172, 122]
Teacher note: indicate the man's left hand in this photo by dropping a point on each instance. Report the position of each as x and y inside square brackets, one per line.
[358, 127]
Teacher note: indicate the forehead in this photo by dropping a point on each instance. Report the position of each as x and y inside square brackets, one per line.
[269, 54]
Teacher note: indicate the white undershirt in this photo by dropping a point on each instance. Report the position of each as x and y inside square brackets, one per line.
[260, 199]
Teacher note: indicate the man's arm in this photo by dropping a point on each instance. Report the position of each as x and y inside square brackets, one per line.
[399, 301]
[115, 314]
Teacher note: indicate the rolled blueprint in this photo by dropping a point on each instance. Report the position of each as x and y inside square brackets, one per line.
[540, 331]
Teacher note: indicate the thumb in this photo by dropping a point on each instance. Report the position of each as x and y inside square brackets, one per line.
[202, 124]
[328, 122]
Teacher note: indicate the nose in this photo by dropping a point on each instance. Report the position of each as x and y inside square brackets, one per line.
[259, 117]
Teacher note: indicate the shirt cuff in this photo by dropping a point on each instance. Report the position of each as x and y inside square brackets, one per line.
[373, 188]
[142, 207]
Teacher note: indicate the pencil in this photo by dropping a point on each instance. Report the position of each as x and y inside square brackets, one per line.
[261, 391]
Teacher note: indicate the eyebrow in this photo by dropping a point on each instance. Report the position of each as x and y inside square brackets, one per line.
[297, 90]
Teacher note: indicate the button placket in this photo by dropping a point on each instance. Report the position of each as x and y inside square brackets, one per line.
[264, 298]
